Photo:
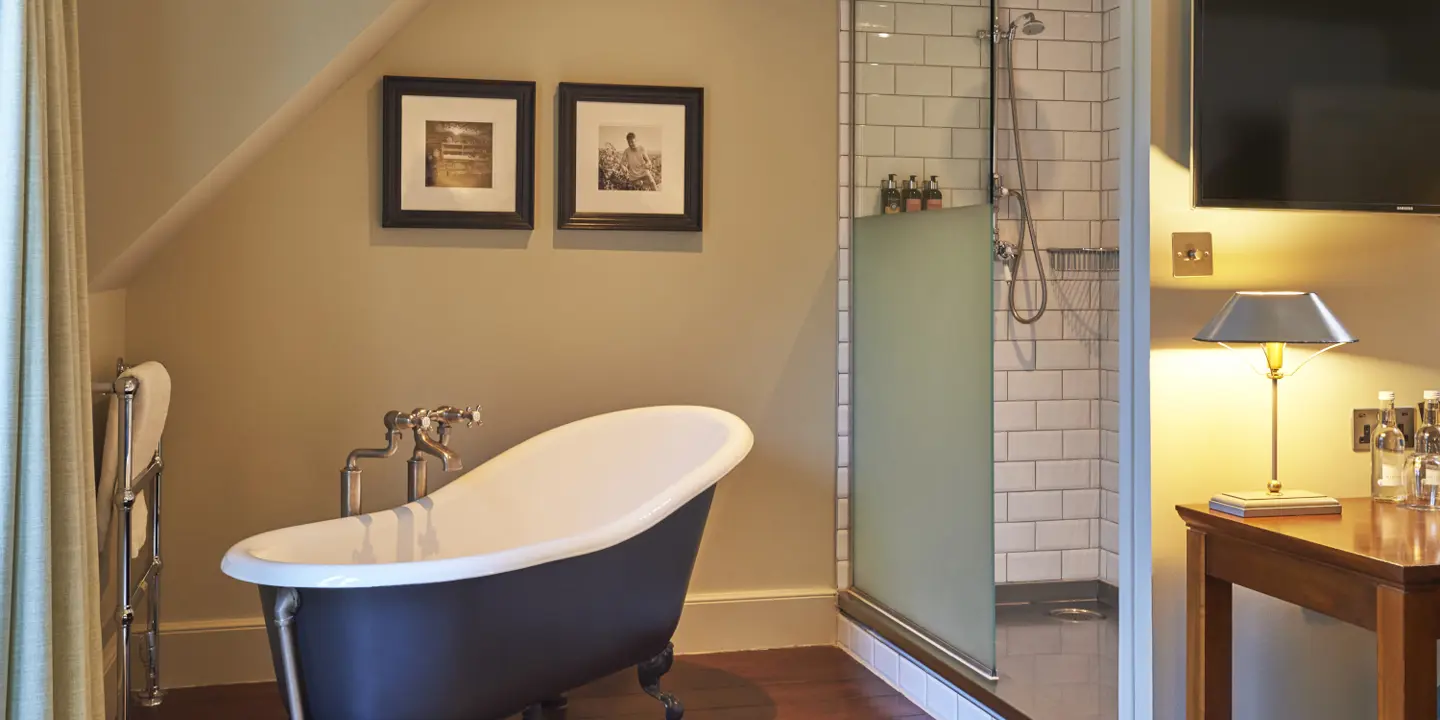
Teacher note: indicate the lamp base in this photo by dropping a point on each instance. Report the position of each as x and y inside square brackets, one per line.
[1259, 503]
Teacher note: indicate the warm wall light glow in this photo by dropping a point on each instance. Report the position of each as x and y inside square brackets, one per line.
[1265, 248]
[884, 35]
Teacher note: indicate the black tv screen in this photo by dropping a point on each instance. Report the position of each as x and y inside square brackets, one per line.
[1317, 104]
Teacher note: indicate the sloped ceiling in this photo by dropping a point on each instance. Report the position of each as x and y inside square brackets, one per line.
[179, 95]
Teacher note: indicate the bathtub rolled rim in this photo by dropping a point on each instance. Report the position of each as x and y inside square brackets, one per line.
[244, 561]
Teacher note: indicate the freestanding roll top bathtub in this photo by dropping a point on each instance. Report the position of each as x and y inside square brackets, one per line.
[561, 560]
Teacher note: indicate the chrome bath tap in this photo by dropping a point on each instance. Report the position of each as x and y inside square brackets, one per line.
[425, 445]
[442, 417]
[447, 415]
[419, 421]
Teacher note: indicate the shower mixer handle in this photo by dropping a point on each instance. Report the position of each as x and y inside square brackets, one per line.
[1006, 252]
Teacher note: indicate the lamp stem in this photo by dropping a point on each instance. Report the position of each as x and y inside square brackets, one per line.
[1274, 486]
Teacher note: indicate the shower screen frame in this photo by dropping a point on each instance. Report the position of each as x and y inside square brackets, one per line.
[954, 665]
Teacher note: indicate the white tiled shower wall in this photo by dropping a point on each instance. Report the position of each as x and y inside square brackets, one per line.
[938, 698]
[921, 80]
[1110, 301]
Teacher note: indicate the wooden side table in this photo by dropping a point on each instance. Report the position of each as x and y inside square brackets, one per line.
[1375, 565]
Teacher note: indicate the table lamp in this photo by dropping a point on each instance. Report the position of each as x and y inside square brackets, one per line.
[1273, 320]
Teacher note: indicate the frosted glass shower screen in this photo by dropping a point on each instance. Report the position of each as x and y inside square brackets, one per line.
[923, 504]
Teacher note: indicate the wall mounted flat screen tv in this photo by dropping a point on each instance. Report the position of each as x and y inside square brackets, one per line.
[1317, 104]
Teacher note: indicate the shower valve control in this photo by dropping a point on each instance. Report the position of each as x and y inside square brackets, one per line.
[1006, 252]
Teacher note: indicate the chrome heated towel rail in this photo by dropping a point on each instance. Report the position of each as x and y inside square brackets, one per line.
[126, 388]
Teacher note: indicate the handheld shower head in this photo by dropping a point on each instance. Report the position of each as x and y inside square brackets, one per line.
[1027, 24]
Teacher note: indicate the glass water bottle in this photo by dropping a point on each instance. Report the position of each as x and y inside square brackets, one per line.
[1424, 476]
[1387, 454]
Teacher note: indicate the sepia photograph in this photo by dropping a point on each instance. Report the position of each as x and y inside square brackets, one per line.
[458, 154]
[630, 158]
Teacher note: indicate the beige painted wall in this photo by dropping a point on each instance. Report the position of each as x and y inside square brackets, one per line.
[173, 86]
[1210, 419]
[107, 333]
[291, 322]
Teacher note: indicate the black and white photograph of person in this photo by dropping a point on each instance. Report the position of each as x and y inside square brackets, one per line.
[459, 154]
[630, 158]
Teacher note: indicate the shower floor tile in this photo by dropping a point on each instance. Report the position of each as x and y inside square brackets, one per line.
[1053, 669]
[793, 684]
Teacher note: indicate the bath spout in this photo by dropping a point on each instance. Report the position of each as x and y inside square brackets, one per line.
[442, 418]
[449, 459]
[425, 445]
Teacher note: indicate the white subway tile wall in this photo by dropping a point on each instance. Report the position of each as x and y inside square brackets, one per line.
[1108, 468]
[938, 698]
[922, 82]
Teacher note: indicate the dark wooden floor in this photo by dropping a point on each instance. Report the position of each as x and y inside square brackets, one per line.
[797, 684]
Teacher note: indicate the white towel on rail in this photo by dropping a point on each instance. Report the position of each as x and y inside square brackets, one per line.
[152, 406]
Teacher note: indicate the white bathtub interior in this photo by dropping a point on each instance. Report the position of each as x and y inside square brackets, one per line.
[578, 488]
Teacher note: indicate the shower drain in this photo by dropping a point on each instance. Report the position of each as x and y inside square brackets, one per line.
[1076, 614]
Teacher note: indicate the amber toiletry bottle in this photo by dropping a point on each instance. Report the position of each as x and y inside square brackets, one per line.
[912, 197]
[890, 203]
[931, 198]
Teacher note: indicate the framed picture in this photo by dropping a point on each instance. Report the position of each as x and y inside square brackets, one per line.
[630, 157]
[457, 153]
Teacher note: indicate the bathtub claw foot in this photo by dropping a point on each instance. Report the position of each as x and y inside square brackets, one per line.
[650, 672]
[557, 702]
[534, 712]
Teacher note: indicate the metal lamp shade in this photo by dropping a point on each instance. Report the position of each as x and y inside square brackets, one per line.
[1275, 317]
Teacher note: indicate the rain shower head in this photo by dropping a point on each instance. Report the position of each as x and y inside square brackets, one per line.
[1027, 24]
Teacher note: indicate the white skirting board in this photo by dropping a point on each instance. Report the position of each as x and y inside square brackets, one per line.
[235, 650]
[935, 696]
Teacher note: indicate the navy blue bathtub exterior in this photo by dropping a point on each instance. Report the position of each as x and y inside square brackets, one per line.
[489, 647]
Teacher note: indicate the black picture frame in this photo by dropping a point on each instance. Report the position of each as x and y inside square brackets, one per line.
[392, 215]
[692, 99]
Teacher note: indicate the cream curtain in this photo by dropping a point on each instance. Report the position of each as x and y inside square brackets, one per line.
[50, 661]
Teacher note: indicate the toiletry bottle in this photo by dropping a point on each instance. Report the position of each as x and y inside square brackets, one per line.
[1387, 454]
[912, 195]
[1424, 467]
[931, 198]
[890, 196]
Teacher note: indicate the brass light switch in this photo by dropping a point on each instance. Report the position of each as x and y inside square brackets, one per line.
[1190, 254]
